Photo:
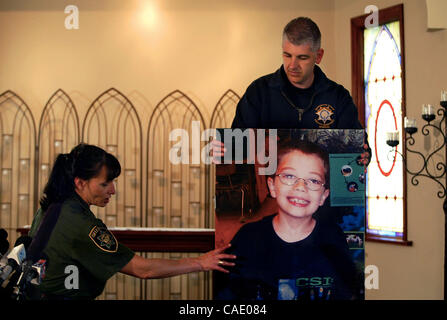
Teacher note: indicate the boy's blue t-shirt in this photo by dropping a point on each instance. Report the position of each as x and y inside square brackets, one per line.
[316, 268]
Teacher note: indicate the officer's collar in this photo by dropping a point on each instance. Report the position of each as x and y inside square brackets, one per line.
[78, 198]
[320, 79]
[289, 87]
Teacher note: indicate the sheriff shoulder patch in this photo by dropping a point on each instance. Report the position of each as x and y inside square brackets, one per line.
[103, 239]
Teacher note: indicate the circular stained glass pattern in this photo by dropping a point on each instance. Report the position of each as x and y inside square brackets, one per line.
[387, 118]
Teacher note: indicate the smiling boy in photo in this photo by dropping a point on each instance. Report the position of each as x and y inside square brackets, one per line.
[292, 246]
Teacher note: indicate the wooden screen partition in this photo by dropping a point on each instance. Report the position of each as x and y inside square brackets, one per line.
[225, 110]
[222, 117]
[168, 243]
[151, 192]
[58, 133]
[112, 123]
[176, 193]
[17, 163]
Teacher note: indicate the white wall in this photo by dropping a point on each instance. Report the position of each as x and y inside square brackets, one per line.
[408, 272]
[200, 47]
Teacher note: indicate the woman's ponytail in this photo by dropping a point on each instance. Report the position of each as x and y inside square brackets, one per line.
[60, 184]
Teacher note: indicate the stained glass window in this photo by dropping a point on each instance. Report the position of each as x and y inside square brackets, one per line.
[383, 113]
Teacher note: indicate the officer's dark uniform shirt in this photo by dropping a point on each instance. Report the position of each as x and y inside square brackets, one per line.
[318, 267]
[272, 102]
[301, 98]
[80, 239]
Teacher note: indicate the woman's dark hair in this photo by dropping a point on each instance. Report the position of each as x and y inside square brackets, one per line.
[306, 147]
[84, 161]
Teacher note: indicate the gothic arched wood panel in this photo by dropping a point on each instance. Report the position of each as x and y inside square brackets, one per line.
[17, 164]
[225, 110]
[222, 117]
[175, 192]
[58, 133]
[113, 124]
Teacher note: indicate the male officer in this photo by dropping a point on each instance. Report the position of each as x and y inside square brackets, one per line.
[298, 95]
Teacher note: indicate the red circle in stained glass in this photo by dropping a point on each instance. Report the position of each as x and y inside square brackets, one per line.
[384, 102]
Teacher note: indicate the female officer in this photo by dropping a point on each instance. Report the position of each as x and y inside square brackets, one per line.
[79, 179]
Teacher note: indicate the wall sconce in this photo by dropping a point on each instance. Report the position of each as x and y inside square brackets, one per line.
[440, 175]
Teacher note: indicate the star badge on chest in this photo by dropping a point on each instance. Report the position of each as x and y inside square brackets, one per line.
[324, 115]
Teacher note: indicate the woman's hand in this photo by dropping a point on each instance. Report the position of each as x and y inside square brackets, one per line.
[214, 260]
[162, 268]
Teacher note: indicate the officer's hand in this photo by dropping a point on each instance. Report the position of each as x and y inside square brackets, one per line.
[217, 150]
[214, 260]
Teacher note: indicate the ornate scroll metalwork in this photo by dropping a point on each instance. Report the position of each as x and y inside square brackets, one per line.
[424, 170]
[224, 110]
[222, 117]
[176, 193]
[440, 172]
[439, 175]
[58, 133]
[112, 123]
[17, 163]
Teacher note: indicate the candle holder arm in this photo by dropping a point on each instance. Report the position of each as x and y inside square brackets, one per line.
[440, 166]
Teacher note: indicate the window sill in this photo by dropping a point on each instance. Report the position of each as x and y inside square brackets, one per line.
[400, 242]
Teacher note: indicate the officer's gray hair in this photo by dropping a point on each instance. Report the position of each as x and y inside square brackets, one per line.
[303, 30]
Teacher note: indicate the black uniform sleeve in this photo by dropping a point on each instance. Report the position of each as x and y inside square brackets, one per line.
[247, 110]
[348, 117]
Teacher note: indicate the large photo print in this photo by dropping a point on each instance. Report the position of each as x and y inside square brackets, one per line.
[296, 221]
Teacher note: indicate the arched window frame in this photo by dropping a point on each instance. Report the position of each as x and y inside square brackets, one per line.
[385, 16]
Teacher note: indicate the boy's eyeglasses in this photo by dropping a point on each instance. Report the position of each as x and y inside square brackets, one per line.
[291, 180]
